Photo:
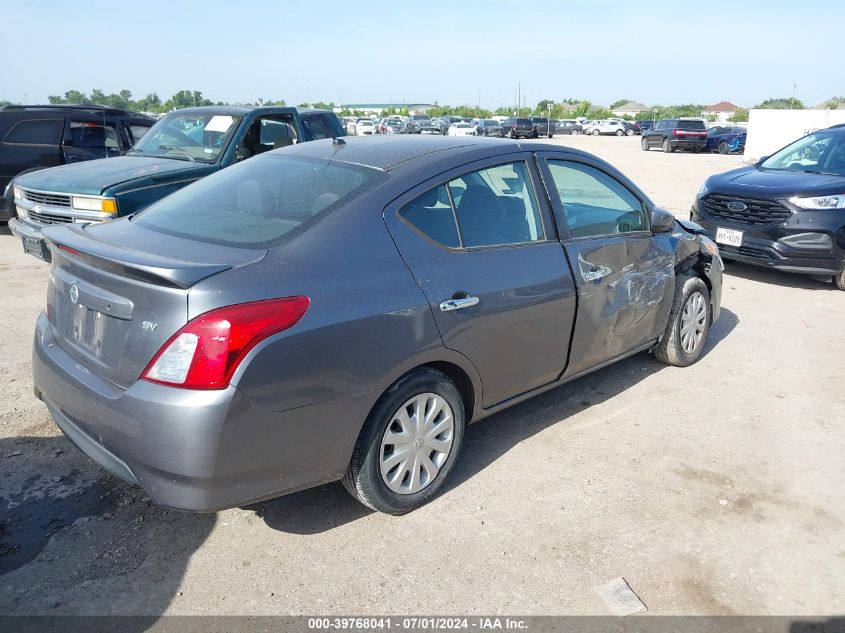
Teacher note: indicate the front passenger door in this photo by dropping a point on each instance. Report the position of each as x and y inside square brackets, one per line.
[624, 274]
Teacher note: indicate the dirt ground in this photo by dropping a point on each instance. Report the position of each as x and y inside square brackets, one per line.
[717, 489]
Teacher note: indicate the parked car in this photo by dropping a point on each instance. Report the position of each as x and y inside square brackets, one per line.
[35, 137]
[420, 124]
[645, 125]
[569, 126]
[350, 125]
[182, 147]
[726, 139]
[390, 125]
[786, 212]
[631, 128]
[605, 127]
[365, 127]
[445, 121]
[518, 127]
[488, 127]
[461, 129]
[205, 349]
[672, 134]
[542, 127]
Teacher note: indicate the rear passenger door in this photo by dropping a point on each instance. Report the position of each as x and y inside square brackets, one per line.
[30, 144]
[482, 247]
[87, 139]
[624, 273]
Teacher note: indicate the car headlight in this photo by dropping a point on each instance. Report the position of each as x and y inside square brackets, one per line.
[703, 190]
[819, 203]
[104, 205]
[709, 246]
[16, 191]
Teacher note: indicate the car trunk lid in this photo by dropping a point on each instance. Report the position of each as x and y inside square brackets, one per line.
[111, 306]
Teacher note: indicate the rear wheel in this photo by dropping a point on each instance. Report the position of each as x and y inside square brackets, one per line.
[551, 135]
[839, 280]
[409, 443]
[644, 144]
[511, 134]
[619, 132]
[723, 148]
[595, 132]
[629, 132]
[667, 146]
[688, 326]
[574, 133]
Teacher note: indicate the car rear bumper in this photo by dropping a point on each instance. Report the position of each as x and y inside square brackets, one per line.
[688, 143]
[783, 247]
[195, 450]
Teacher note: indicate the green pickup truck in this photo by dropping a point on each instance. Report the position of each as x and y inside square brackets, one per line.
[184, 146]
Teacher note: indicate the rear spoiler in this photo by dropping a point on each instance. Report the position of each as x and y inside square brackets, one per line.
[161, 270]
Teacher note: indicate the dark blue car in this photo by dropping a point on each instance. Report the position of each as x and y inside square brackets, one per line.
[726, 139]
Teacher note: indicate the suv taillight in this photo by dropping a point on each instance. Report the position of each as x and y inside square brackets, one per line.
[206, 352]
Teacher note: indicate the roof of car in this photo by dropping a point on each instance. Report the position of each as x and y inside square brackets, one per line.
[72, 107]
[242, 110]
[387, 151]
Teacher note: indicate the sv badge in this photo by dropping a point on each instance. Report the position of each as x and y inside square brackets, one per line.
[149, 326]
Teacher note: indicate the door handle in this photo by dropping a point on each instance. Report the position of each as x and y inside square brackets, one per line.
[458, 304]
[596, 272]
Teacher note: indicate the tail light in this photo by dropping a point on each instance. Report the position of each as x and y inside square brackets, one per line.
[206, 352]
[514, 126]
[675, 132]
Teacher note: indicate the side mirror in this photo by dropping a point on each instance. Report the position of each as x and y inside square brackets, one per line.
[661, 220]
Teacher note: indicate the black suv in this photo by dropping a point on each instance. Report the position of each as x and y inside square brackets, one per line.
[541, 127]
[672, 134]
[519, 128]
[38, 136]
[786, 212]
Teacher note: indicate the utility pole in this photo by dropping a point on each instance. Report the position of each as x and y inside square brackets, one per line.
[518, 97]
[794, 90]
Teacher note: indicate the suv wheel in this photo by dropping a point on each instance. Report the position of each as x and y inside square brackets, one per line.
[667, 146]
[689, 323]
[409, 443]
[644, 144]
[839, 280]
[619, 132]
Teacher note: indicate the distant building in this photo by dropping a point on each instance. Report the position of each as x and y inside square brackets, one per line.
[631, 108]
[723, 111]
[840, 105]
[378, 108]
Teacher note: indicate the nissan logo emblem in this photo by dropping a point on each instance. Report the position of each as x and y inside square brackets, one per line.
[74, 293]
[736, 205]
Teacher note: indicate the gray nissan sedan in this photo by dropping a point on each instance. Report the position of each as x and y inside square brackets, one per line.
[342, 309]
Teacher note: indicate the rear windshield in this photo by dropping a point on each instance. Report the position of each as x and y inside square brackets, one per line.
[691, 125]
[523, 121]
[261, 202]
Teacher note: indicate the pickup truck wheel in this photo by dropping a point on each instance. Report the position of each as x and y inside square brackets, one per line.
[667, 146]
[723, 148]
[409, 443]
[689, 323]
[595, 132]
[644, 144]
[839, 280]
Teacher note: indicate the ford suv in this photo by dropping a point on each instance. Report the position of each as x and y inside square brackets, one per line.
[787, 212]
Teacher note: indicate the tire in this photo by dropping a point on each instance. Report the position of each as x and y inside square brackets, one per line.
[574, 133]
[511, 134]
[364, 479]
[619, 133]
[595, 132]
[667, 146]
[723, 148]
[692, 300]
[839, 279]
[644, 144]
[629, 132]
[551, 135]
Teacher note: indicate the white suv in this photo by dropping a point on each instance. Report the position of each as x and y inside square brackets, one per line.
[605, 127]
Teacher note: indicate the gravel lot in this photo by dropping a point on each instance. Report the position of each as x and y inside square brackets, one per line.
[717, 489]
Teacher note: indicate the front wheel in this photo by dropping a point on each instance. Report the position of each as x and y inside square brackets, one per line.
[409, 443]
[595, 132]
[551, 135]
[644, 144]
[619, 132]
[689, 323]
[723, 148]
[630, 132]
[839, 279]
[574, 133]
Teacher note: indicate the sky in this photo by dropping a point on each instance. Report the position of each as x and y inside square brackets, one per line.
[463, 52]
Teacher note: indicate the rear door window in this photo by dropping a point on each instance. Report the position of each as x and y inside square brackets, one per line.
[432, 215]
[36, 132]
[91, 135]
[260, 202]
[137, 131]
